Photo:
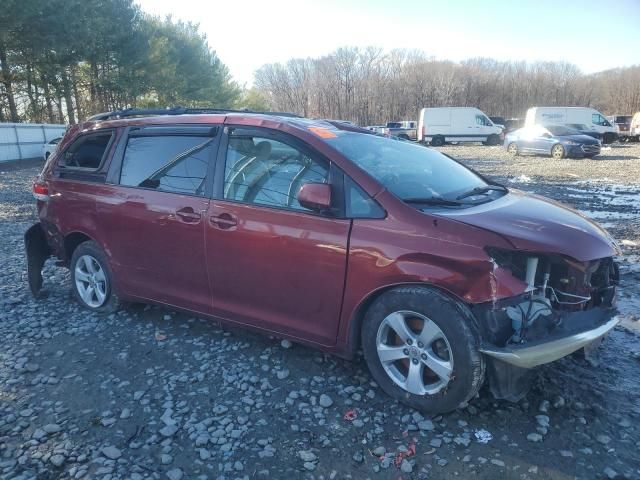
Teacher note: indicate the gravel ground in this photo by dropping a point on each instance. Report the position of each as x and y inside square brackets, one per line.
[149, 393]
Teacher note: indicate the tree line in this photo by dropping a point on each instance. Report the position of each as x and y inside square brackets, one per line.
[372, 86]
[63, 60]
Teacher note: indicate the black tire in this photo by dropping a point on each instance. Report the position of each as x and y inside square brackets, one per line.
[512, 149]
[608, 138]
[437, 141]
[558, 152]
[46, 156]
[91, 249]
[457, 324]
[492, 140]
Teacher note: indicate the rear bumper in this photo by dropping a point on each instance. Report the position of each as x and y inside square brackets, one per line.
[583, 329]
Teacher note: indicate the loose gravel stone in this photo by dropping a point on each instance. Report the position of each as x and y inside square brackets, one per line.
[534, 437]
[325, 401]
[111, 452]
[175, 474]
[406, 466]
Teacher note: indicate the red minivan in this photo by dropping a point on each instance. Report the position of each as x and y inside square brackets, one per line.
[328, 235]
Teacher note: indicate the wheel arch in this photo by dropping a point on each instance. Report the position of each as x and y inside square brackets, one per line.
[71, 242]
[357, 318]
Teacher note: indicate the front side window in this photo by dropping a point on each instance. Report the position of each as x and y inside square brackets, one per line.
[176, 164]
[482, 120]
[598, 119]
[268, 172]
[87, 151]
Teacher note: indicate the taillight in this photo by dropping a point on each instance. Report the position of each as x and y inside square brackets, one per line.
[40, 190]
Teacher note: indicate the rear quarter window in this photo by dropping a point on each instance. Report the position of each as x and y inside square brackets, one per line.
[87, 152]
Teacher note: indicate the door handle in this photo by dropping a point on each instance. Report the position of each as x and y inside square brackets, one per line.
[188, 215]
[224, 221]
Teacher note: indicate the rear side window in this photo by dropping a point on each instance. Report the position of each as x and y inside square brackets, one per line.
[87, 152]
[176, 164]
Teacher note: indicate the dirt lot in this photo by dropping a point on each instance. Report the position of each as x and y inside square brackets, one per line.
[149, 393]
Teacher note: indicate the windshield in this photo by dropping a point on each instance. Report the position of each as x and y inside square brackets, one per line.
[409, 171]
[559, 130]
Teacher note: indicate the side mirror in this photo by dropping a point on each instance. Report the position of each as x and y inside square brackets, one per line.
[315, 196]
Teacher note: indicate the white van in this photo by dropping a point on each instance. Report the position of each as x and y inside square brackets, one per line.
[590, 117]
[457, 124]
[634, 128]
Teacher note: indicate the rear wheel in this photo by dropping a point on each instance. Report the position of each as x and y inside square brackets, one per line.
[422, 349]
[437, 141]
[92, 279]
[557, 151]
[512, 149]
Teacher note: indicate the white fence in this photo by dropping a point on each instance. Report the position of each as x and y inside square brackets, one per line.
[25, 140]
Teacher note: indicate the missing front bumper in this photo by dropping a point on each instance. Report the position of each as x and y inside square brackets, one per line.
[548, 350]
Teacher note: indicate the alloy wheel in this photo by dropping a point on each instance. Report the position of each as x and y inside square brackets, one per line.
[91, 281]
[414, 352]
[557, 152]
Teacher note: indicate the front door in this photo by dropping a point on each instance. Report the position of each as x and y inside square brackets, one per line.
[272, 263]
[154, 217]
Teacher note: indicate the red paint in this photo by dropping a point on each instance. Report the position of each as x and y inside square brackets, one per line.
[301, 275]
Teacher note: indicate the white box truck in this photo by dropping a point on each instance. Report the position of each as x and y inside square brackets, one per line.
[590, 117]
[438, 126]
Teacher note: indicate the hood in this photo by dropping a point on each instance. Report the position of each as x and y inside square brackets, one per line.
[530, 222]
[582, 138]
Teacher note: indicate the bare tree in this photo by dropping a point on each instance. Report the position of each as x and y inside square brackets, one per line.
[371, 86]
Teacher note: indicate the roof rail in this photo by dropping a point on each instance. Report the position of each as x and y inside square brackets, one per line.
[137, 112]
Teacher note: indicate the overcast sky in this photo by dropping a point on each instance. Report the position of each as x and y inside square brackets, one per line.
[246, 34]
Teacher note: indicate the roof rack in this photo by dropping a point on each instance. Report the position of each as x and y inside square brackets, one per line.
[137, 112]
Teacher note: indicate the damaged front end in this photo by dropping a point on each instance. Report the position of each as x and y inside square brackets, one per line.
[566, 305]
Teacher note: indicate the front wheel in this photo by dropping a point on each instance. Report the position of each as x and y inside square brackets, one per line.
[557, 152]
[92, 279]
[422, 349]
[512, 149]
[437, 141]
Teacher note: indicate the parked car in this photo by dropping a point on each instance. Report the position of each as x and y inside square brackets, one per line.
[406, 129]
[558, 141]
[330, 236]
[622, 124]
[512, 124]
[438, 126]
[49, 147]
[381, 129]
[584, 130]
[634, 127]
[590, 117]
[498, 121]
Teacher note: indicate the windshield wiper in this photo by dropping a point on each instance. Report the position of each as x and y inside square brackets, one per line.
[431, 201]
[480, 190]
